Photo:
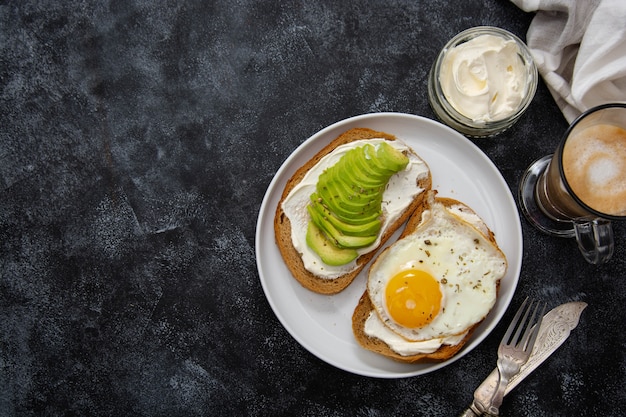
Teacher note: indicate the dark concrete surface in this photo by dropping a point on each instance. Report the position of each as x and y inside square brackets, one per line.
[137, 139]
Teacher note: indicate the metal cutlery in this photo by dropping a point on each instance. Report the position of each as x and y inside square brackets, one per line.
[513, 352]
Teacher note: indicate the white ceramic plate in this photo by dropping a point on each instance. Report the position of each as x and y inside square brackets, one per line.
[321, 323]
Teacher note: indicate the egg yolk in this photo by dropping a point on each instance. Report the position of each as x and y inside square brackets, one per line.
[413, 298]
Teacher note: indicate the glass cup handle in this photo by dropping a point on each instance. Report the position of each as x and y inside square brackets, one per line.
[595, 239]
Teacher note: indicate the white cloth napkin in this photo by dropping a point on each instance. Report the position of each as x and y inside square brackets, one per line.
[579, 47]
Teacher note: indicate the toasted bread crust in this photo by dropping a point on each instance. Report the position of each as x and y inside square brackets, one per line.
[282, 225]
[364, 306]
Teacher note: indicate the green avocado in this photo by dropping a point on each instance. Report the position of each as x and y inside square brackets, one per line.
[348, 217]
[346, 194]
[364, 168]
[346, 207]
[392, 158]
[329, 253]
[357, 190]
[363, 229]
[359, 181]
[337, 236]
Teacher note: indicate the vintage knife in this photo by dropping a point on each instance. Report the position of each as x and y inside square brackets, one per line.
[555, 328]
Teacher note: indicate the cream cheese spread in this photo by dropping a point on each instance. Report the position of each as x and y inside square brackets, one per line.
[484, 78]
[400, 192]
[374, 327]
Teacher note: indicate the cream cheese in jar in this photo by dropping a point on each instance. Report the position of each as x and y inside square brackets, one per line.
[484, 78]
[482, 81]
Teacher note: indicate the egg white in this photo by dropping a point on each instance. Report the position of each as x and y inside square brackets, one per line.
[464, 262]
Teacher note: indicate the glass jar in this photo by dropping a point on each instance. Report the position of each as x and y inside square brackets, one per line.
[521, 78]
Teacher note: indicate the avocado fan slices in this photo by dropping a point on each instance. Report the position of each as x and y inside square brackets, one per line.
[346, 207]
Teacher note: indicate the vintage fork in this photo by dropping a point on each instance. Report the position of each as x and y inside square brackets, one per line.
[514, 352]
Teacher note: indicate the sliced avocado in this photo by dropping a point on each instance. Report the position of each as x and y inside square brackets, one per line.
[345, 209]
[355, 200]
[365, 218]
[362, 205]
[379, 163]
[329, 196]
[348, 187]
[329, 253]
[344, 215]
[373, 160]
[392, 157]
[352, 177]
[357, 188]
[352, 196]
[334, 191]
[335, 236]
[363, 168]
[342, 189]
[365, 229]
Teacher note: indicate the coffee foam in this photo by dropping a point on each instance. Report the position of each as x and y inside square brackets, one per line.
[594, 163]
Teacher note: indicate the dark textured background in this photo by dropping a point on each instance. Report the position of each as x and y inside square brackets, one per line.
[137, 139]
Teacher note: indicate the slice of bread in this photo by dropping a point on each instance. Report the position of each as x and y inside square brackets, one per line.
[282, 225]
[365, 306]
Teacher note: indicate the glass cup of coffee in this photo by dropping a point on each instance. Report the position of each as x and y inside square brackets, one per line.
[580, 189]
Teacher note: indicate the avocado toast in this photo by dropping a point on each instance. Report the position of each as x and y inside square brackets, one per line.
[347, 215]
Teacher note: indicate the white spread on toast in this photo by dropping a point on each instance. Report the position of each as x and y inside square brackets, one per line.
[374, 327]
[401, 190]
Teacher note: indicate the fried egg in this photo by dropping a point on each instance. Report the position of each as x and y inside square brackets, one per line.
[440, 280]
